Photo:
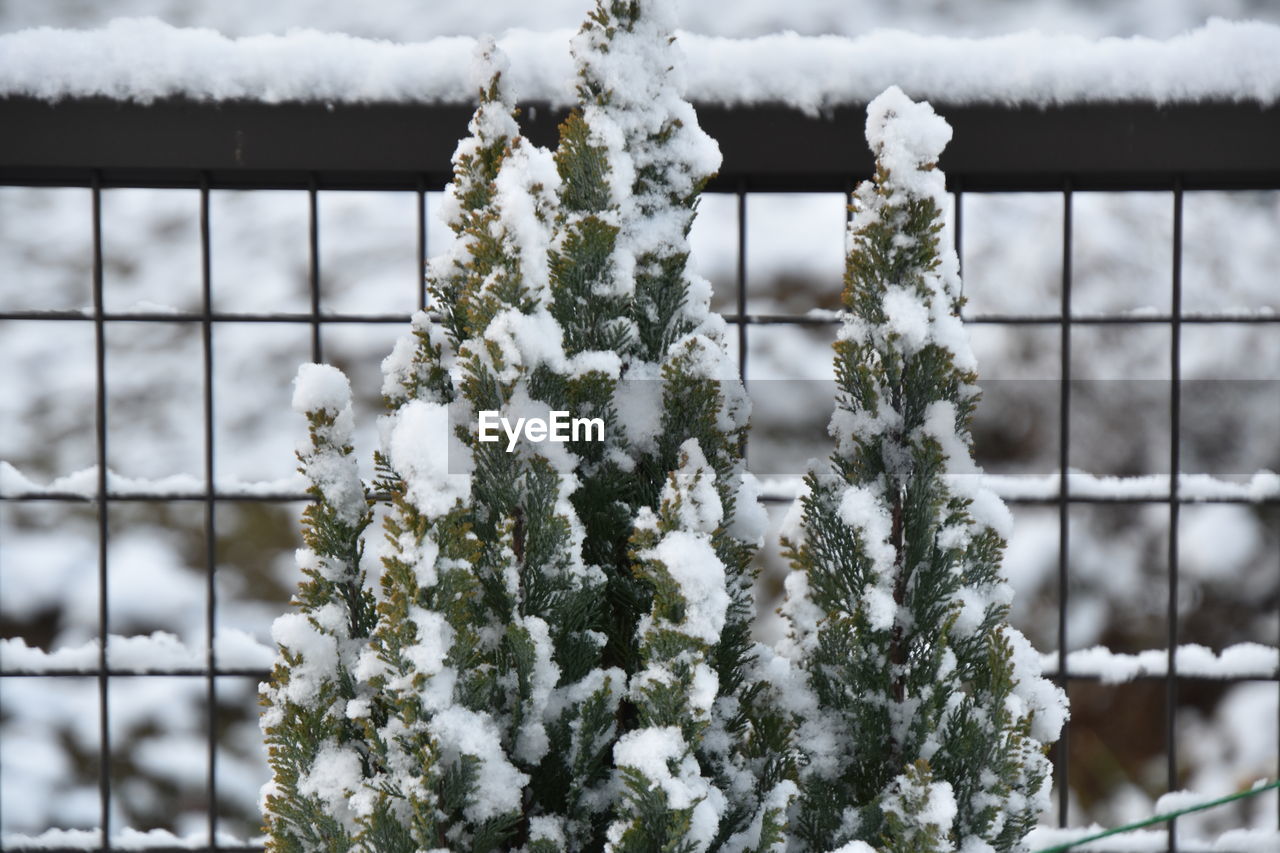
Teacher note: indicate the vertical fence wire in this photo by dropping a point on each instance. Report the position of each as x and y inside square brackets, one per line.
[3, 508]
[100, 406]
[1064, 502]
[313, 267]
[1175, 505]
[740, 299]
[741, 284]
[421, 285]
[210, 513]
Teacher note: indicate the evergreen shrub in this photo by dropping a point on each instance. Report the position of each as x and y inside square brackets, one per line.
[549, 648]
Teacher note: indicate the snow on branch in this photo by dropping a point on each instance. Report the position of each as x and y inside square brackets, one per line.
[145, 59]
[1241, 661]
[233, 649]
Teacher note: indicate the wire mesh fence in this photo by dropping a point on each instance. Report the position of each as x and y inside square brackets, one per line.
[1068, 394]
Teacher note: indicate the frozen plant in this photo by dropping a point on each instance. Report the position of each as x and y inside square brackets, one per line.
[921, 712]
[558, 654]
[539, 621]
[312, 743]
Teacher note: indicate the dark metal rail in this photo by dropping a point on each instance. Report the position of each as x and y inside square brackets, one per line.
[1128, 146]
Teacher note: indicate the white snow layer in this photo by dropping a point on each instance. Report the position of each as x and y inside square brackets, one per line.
[1262, 487]
[126, 839]
[855, 847]
[861, 509]
[324, 389]
[662, 755]
[1155, 840]
[692, 562]
[694, 489]
[499, 785]
[935, 803]
[232, 649]
[1243, 660]
[321, 387]
[145, 59]
[84, 483]
[418, 443]
[907, 136]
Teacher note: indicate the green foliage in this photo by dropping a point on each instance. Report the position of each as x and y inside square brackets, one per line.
[559, 654]
[898, 609]
[588, 302]
[334, 608]
[917, 811]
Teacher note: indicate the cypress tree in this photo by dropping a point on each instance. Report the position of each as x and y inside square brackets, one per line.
[669, 804]
[559, 657]
[591, 287]
[633, 162]
[317, 755]
[486, 652]
[921, 711]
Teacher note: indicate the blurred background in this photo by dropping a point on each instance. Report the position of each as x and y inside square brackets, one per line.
[1012, 256]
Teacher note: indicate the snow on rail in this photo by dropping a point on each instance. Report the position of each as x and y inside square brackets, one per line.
[233, 649]
[1156, 841]
[84, 484]
[1260, 487]
[145, 59]
[126, 839]
[1241, 661]
[1149, 841]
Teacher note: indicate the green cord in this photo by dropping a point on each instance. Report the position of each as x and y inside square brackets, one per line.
[1129, 827]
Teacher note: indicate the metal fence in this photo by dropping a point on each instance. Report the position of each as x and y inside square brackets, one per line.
[1061, 150]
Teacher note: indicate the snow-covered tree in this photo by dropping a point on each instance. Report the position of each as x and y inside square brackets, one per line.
[669, 803]
[487, 651]
[558, 656]
[921, 712]
[633, 161]
[317, 754]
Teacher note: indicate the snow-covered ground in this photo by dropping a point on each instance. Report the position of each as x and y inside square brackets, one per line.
[1230, 553]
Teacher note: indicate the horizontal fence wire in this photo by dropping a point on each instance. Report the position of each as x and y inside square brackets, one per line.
[1167, 818]
[297, 497]
[263, 674]
[140, 847]
[210, 495]
[735, 319]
